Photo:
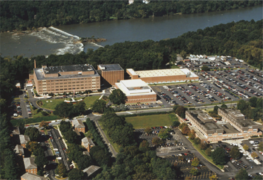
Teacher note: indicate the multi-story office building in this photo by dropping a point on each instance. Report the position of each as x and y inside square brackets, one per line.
[232, 127]
[110, 73]
[71, 78]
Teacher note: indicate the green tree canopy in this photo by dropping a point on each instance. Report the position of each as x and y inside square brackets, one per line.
[242, 175]
[76, 174]
[195, 162]
[65, 126]
[205, 68]
[253, 101]
[98, 106]
[117, 97]
[234, 153]
[180, 111]
[71, 136]
[164, 134]
[219, 156]
[148, 130]
[32, 133]
[62, 171]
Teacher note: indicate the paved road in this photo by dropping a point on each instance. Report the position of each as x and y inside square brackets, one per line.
[23, 106]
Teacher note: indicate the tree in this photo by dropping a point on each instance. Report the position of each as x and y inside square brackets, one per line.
[219, 156]
[180, 111]
[80, 108]
[75, 174]
[208, 151]
[43, 124]
[117, 97]
[100, 156]
[205, 68]
[64, 109]
[183, 54]
[194, 171]
[223, 106]
[234, 153]
[253, 101]
[257, 177]
[65, 126]
[216, 109]
[242, 175]
[197, 141]
[71, 136]
[213, 177]
[32, 133]
[175, 124]
[98, 106]
[242, 105]
[144, 146]
[148, 130]
[246, 147]
[192, 135]
[41, 160]
[10, 168]
[62, 171]
[260, 146]
[203, 145]
[195, 162]
[254, 155]
[182, 125]
[32, 146]
[89, 134]
[185, 130]
[156, 141]
[164, 134]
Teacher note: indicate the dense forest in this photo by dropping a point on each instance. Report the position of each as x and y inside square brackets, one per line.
[23, 15]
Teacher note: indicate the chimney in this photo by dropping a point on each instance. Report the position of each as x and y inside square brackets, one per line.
[35, 64]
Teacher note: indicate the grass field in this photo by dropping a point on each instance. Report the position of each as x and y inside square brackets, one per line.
[51, 104]
[144, 121]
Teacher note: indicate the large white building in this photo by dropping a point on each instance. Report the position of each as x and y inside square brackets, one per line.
[136, 91]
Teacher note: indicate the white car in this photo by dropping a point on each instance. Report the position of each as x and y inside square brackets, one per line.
[261, 173]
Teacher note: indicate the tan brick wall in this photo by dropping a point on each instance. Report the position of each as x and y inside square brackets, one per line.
[32, 171]
[141, 98]
[81, 130]
[112, 77]
[31, 76]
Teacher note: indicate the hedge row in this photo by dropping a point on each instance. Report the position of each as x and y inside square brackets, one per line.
[16, 122]
[145, 114]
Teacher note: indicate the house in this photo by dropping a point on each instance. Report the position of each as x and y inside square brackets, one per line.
[24, 139]
[19, 150]
[78, 125]
[90, 171]
[30, 165]
[29, 176]
[87, 143]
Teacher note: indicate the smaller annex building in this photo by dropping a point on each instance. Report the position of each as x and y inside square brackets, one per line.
[163, 75]
[137, 91]
[110, 73]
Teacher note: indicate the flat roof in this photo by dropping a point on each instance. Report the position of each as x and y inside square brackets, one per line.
[40, 75]
[67, 68]
[206, 121]
[135, 87]
[163, 72]
[110, 67]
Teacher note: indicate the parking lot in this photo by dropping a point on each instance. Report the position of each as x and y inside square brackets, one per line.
[214, 87]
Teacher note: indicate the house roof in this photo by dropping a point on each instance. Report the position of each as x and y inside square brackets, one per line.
[16, 130]
[29, 176]
[86, 142]
[19, 149]
[78, 124]
[91, 169]
[23, 139]
[86, 153]
[29, 163]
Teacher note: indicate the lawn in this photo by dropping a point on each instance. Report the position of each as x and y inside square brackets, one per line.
[52, 103]
[155, 120]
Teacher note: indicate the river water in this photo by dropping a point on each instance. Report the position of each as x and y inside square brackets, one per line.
[53, 41]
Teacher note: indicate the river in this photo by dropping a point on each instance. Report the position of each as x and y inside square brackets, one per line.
[53, 41]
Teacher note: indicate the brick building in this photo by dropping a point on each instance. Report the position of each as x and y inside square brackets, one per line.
[163, 75]
[110, 73]
[87, 143]
[78, 125]
[136, 91]
[29, 176]
[71, 78]
[210, 130]
[24, 139]
[30, 165]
